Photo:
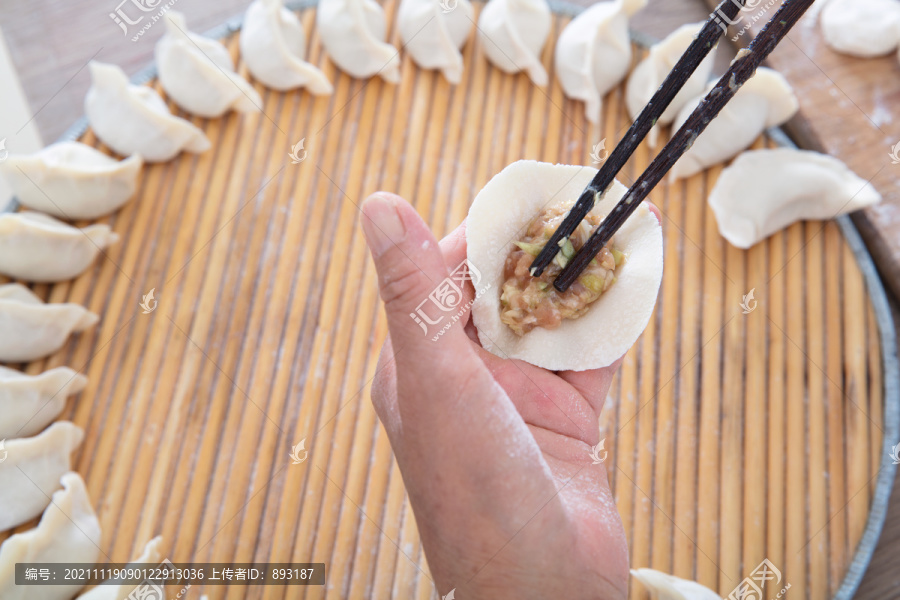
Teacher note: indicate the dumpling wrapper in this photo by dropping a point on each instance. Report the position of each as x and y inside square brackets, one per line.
[273, 46]
[134, 119]
[353, 33]
[36, 247]
[864, 28]
[765, 100]
[433, 36]
[764, 191]
[513, 34]
[152, 555]
[28, 403]
[502, 210]
[649, 74]
[72, 181]
[32, 470]
[663, 586]
[33, 329]
[69, 532]
[593, 53]
[197, 73]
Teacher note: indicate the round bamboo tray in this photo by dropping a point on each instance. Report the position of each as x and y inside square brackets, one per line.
[731, 437]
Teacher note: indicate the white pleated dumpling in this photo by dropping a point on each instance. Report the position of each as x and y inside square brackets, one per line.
[33, 329]
[663, 586]
[28, 403]
[353, 33]
[71, 180]
[788, 185]
[513, 34]
[593, 53]
[765, 100]
[134, 119]
[649, 74]
[152, 555]
[273, 46]
[434, 35]
[69, 532]
[197, 73]
[36, 247]
[502, 210]
[32, 470]
[864, 28]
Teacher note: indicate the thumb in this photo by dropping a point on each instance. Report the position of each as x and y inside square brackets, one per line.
[410, 268]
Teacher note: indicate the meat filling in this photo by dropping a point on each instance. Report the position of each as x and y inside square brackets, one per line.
[527, 302]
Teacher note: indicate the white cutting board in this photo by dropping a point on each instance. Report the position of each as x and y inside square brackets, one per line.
[17, 126]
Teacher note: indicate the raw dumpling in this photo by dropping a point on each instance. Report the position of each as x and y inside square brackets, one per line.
[152, 555]
[513, 33]
[273, 46]
[353, 33]
[593, 53]
[197, 73]
[72, 181]
[433, 34]
[32, 329]
[35, 247]
[765, 100]
[69, 532]
[864, 28]
[32, 470]
[788, 185]
[28, 403]
[134, 119]
[649, 74]
[502, 210]
[663, 586]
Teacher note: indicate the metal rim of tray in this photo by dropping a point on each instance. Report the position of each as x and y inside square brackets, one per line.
[890, 365]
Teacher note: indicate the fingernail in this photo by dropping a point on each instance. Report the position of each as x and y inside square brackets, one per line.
[382, 224]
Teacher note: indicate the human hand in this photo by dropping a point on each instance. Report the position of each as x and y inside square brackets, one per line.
[494, 453]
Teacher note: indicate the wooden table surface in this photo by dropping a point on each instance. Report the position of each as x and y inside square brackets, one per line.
[51, 42]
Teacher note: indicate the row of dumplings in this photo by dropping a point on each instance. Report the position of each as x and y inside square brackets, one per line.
[67, 181]
[761, 191]
[198, 75]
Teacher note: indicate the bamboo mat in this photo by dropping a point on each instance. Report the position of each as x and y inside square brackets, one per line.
[732, 437]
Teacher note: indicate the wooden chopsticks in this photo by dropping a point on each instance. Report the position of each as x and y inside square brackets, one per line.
[742, 68]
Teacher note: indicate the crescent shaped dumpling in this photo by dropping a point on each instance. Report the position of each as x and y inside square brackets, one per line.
[502, 210]
[864, 28]
[134, 119]
[649, 74]
[593, 53]
[36, 247]
[353, 33]
[789, 185]
[33, 329]
[433, 35]
[69, 532]
[32, 470]
[273, 46]
[663, 586]
[72, 181]
[197, 73]
[28, 403]
[765, 100]
[513, 34]
[152, 555]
